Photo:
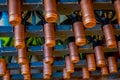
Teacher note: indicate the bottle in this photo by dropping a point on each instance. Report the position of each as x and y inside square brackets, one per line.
[19, 35]
[79, 33]
[85, 73]
[48, 54]
[99, 55]
[73, 50]
[112, 64]
[104, 71]
[47, 77]
[47, 69]
[49, 34]
[109, 36]
[91, 62]
[27, 77]
[22, 56]
[88, 16]
[119, 47]
[117, 9]
[2, 67]
[7, 75]
[50, 11]
[66, 75]
[69, 65]
[25, 68]
[14, 10]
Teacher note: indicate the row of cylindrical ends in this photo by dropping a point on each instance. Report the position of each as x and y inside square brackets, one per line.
[71, 59]
[80, 40]
[49, 34]
[91, 66]
[5, 73]
[92, 61]
[51, 15]
[79, 33]
[47, 68]
[89, 21]
[74, 58]
[73, 49]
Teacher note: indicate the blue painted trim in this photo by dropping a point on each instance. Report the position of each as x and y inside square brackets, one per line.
[57, 64]
[3, 1]
[59, 75]
[63, 1]
[33, 1]
[37, 28]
